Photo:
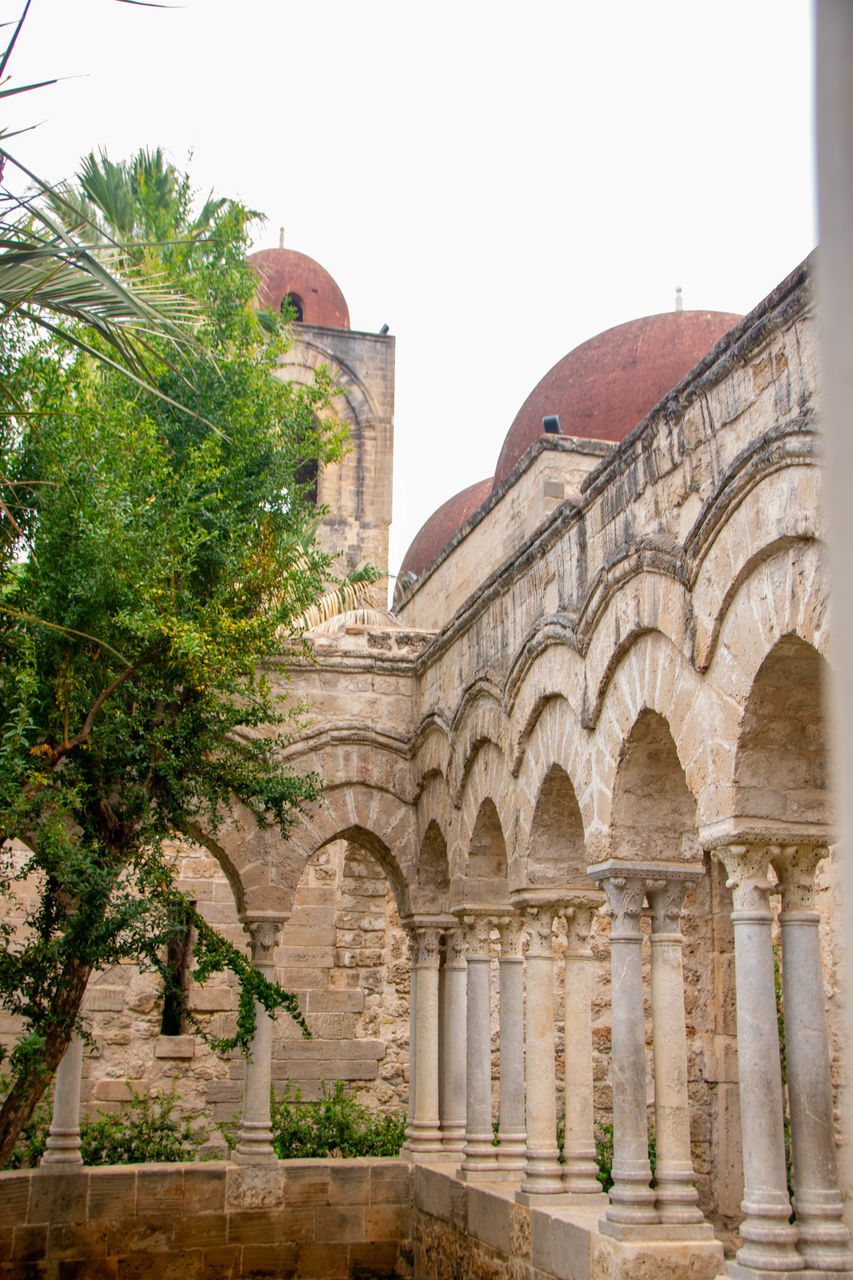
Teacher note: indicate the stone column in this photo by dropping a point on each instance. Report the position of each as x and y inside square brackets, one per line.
[632, 1200]
[769, 1239]
[580, 1172]
[677, 1197]
[453, 1042]
[511, 1127]
[543, 1174]
[63, 1143]
[424, 1135]
[824, 1242]
[254, 1143]
[480, 1155]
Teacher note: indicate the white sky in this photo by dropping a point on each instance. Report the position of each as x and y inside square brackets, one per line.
[497, 182]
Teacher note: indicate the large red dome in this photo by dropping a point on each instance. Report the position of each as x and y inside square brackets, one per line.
[284, 272]
[603, 388]
[434, 535]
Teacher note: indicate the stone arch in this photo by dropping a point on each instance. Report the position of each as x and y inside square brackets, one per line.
[653, 676]
[647, 598]
[556, 852]
[486, 863]
[742, 526]
[432, 748]
[555, 740]
[488, 784]
[781, 760]
[653, 815]
[556, 670]
[479, 719]
[359, 813]
[433, 872]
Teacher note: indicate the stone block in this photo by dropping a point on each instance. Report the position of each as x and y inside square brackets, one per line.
[390, 1182]
[221, 1262]
[335, 1223]
[375, 1258]
[255, 1226]
[74, 1240]
[349, 1183]
[14, 1198]
[388, 1222]
[306, 1186]
[159, 1190]
[210, 999]
[489, 1218]
[137, 1234]
[58, 1197]
[334, 1001]
[200, 1231]
[182, 1047]
[113, 1091]
[104, 999]
[255, 1186]
[29, 1243]
[112, 1195]
[142, 1266]
[560, 1247]
[88, 1269]
[297, 1225]
[204, 1189]
[276, 1261]
[323, 1262]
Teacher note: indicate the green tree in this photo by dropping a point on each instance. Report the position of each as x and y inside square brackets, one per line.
[162, 544]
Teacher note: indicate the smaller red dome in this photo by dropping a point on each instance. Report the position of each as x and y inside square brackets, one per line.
[604, 387]
[434, 535]
[316, 296]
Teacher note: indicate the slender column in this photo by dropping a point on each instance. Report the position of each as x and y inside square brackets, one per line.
[480, 1154]
[254, 1144]
[413, 1032]
[453, 1042]
[632, 1200]
[677, 1197]
[543, 1174]
[511, 1127]
[824, 1242]
[63, 1143]
[769, 1238]
[424, 1134]
[580, 1172]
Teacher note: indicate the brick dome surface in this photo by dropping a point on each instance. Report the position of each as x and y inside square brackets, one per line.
[434, 535]
[284, 271]
[603, 388]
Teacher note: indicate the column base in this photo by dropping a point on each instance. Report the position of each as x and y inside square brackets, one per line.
[254, 1145]
[512, 1152]
[491, 1174]
[654, 1231]
[63, 1147]
[736, 1271]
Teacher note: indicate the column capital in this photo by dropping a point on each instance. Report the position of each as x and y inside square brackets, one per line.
[540, 924]
[263, 931]
[476, 923]
[746, 867]
[454, 947]
[625, 886]
[795, 866]
[511, 929]
[666, 899]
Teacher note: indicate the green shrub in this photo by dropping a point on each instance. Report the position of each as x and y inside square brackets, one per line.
[145, 1131]
[334, 1125]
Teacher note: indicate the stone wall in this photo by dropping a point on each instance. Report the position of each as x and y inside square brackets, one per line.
[335, 1219]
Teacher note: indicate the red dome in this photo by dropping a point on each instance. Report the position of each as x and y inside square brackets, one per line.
[603, 388]
[434, 535]
[311, 288]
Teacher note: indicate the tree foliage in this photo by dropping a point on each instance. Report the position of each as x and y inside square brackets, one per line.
[156, 547]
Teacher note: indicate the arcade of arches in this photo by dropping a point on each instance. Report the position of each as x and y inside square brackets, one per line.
[577, 824]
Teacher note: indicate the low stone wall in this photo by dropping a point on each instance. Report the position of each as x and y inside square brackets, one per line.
[334, 1219]
[464, 1232]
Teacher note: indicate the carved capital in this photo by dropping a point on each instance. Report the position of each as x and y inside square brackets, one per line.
[625, 903]
[426, 946]
[578, 929]
[511, 929]
[746, 867]
[795, 866]
[264, 934]
[665, 899]
[540, 922]
[454, 948]
[477, 929]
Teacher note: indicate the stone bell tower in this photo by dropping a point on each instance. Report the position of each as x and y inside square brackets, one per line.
[357, 491]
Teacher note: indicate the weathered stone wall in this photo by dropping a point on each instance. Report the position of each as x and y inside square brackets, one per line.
[334, 1219]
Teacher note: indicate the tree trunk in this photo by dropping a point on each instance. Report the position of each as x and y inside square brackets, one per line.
[29, 1085]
